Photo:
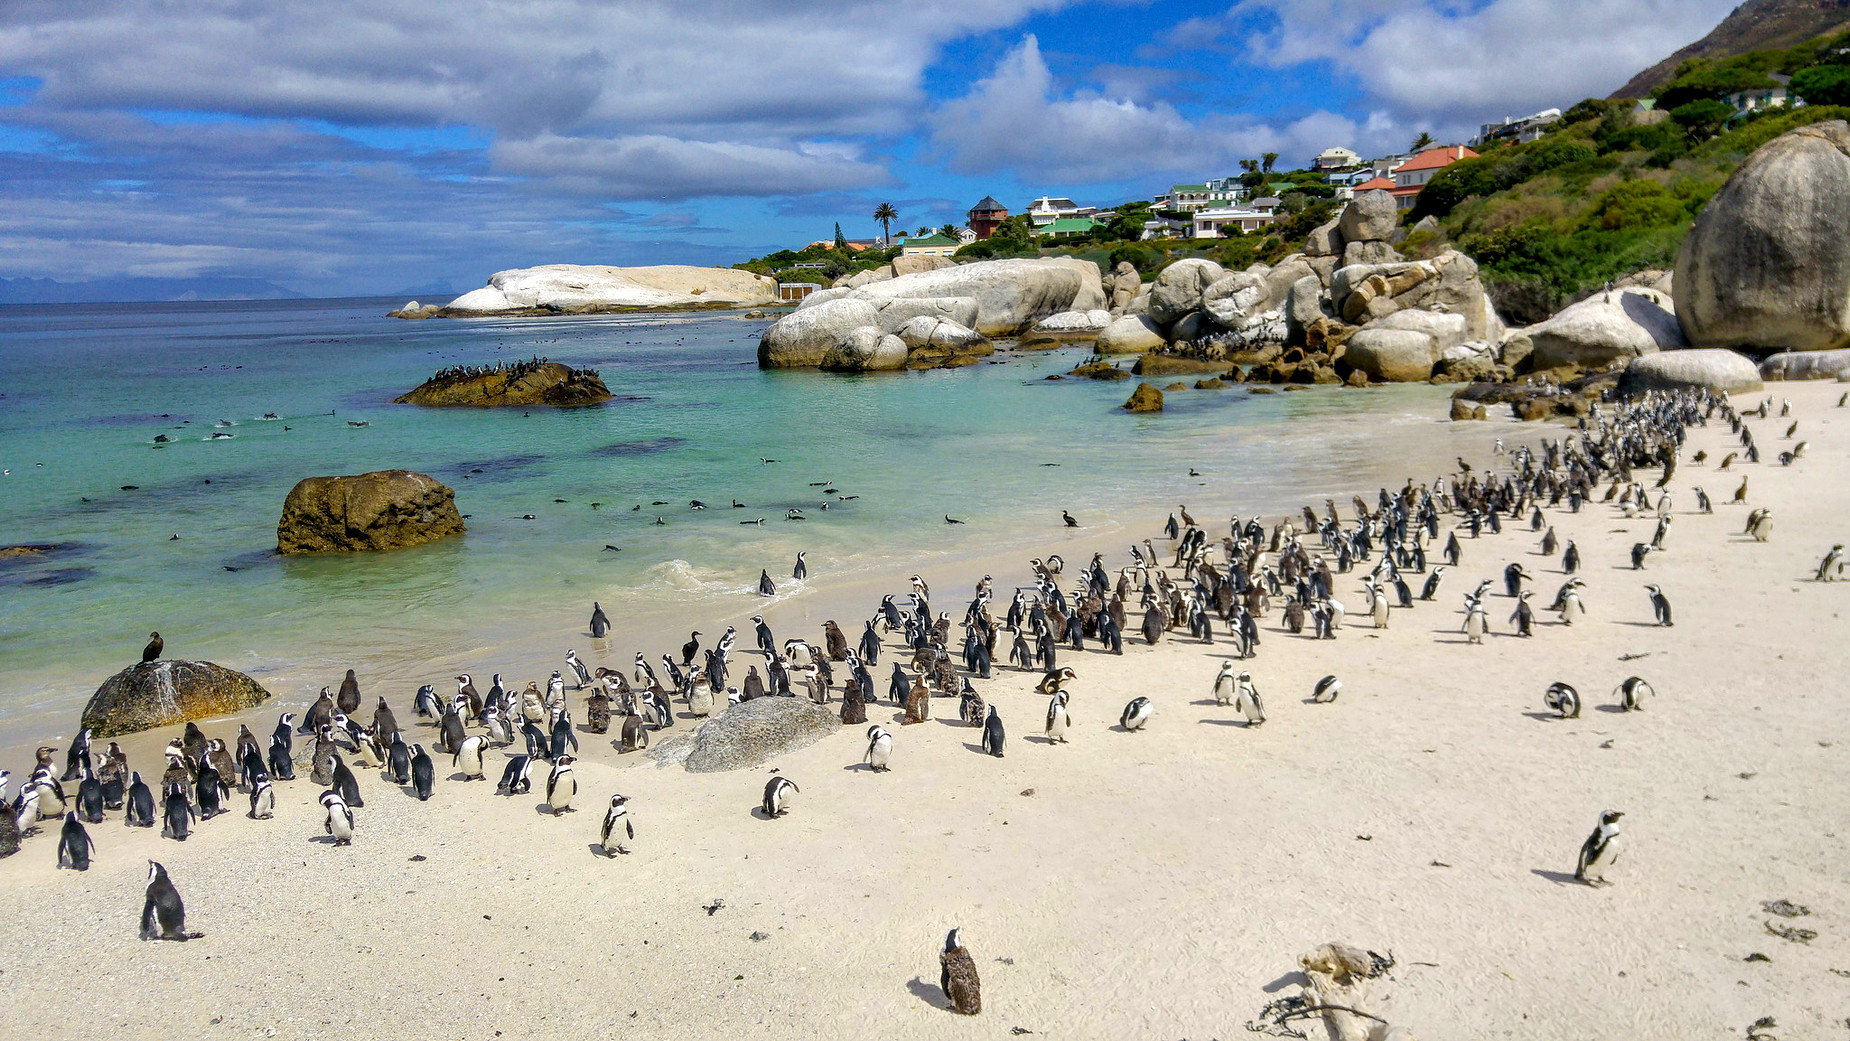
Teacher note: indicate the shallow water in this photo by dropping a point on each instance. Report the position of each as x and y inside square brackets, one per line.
[84, 391]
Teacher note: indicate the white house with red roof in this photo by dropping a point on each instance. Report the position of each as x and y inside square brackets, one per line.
[1409, 177]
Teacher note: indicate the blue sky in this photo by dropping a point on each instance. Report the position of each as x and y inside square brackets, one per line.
[342, 148]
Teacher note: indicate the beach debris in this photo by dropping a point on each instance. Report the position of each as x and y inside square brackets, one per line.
[1335, 989]
[1757, 956]
[1784, 908]
[713, 908]
[758, 937]
[1758, 1031]
[1791, 932]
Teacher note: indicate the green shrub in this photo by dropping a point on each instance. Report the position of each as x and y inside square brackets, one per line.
[1637, 204]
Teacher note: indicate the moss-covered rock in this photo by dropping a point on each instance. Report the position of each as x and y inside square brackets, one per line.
[167, 693]
[384, 510]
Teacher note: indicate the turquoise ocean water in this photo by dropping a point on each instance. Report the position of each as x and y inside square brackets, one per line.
[84, 391]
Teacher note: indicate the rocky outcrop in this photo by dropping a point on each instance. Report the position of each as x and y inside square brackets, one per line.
[749, 735]
[862, 278]
[891, 315]
[1712, 368]
[866, 349]
[1125, 284]
[1154, 364]
[802, 338]
[941, 336]
[1131, 334]
[523, 385]
[1444, 329]
[167, 693]
[1463, 410]
[591, 289]
[1144, 399]
[1369, 217]
[1010, 295]
[1234, 299]
[384, 510]
[1074, 322]
[1806, 365]
[920, 262]
[1179, 287]
[1606, 327]
[1391, 355]
[1767, 264]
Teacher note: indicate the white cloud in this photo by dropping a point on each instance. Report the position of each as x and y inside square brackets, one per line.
[1017, 119]
[655, 166]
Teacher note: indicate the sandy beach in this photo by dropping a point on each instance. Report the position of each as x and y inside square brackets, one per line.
[1156, 884]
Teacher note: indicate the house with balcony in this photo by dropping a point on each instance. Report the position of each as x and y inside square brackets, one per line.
[1337, 158]
[1518, 131]
[1215, 221]
[986, 216]
[1411, 176]
[1756, 98]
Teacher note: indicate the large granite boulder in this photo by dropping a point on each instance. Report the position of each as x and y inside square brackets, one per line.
[1125, 284]
[890, 315]
[1131, 334]
[1606, 327]
[523, 385]
[1446, 330]
[383, 510]
[1370, 253]
[1767, 264]
[920, 262]
[1391, 355]
[800, 339]
[1806, 365]
[1074, 322]
[167, 693]
[1325, 240]
[1010, 295]
[1370, 216]
[1448, 282]
[1178, 288]
[941, 336]
[1234, 299]
[865, 349]
[862, 278]
[1710, 367]
[1279, 280]
[749, 735]
[586, 289]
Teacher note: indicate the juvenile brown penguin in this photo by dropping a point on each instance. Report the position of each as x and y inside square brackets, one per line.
[635, 735]
[837, 641]
[918, 703]
[597, 711]
[957, 976]
[348, 700]
[853, 706]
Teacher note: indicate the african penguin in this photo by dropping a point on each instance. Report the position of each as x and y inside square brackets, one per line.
[618, 814]
[777, 792]
[163, 915]
[1600, 849]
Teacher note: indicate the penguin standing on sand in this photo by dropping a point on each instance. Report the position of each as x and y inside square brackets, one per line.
[578, 668]
[140, 812]
[467, 758]
[870, 644]
[348, 700]
[561, 785]
[1224, 684]
[517, 777]
[1832, 564]
[600, 622]
[1600, 850]
[163, 915]
[1058, 722]
[339, 822]
[423, 773]
[993, 736]
[957, 971]
[75, 846]
[1660, 605]
[1431, 588]
[1136, 714]
[777, 792]
[1247, 700]
[1326, 689]
[263, 800]
[1633, 692]
[879, 748]
[177, 814]
[618, 814]
[1564, 699]
[1524, 617]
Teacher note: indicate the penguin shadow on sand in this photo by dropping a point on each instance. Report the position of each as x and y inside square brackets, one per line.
[930, 993]
[1212, 721]
[1559, 878]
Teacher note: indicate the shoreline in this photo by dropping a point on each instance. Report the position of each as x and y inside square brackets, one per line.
[1432, 811]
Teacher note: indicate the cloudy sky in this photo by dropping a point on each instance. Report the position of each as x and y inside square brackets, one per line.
[349, 147]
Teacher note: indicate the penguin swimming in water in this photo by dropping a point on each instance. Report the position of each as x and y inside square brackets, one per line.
[1136, 714]
[766, 587]
[163, 915]
[1600, 850]
[777, 792]
[957, 976]
[75, 846]
[1564, 699]
[423, 773]
[1326, 689]
[339, 822]
[993, 736]
[600, 622]
[879, 748]
[1632, 694]
[617, 814]
[1660, 605]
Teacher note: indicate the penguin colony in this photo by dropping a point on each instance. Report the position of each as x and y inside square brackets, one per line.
[1209, 591]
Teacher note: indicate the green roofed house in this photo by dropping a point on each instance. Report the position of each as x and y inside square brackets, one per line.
[929, 246]
[1066, 227]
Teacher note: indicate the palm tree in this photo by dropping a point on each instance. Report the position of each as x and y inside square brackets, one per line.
[1250, 165]
[1267, 160]
[949, 231]
[1424, 141]
[886, 215]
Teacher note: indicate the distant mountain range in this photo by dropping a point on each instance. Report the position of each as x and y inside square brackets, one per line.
[1756, 25]
[114, 290]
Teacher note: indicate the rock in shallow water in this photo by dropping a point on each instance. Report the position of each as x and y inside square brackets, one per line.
[167, 693]
[383, 510]
[549, 384]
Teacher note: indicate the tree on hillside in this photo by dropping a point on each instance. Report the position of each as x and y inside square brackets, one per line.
[1266, 161]
[1250, 165]
[1822, 85]
[949, 231]
[841, 241]
[1424, 141]
[923, 230]
[886, 215]
[1701, 120]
